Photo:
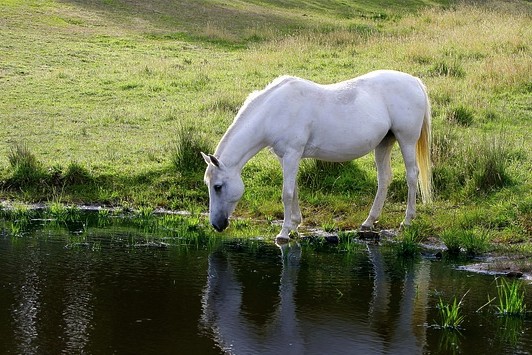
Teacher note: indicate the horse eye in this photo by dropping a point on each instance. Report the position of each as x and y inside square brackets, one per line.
[217, 187]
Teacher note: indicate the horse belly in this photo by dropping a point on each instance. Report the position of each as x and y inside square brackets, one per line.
[344, 142]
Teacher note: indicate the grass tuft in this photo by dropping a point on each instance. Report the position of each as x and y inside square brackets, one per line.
[447, 68]
[492, 169]
[349, 242]
[409, 239]
[451, 239]
[475, 241]
[478, 165]
[189, 142]
[461, 115]
[26, 169]
[76, 174]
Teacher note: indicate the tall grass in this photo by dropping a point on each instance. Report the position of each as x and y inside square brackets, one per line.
[469, 166]
[189, 142]
[25, 168]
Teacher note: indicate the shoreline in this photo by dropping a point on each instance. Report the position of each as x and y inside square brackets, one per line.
[496, 263]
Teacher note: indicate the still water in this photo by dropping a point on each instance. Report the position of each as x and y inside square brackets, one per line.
[110, 290]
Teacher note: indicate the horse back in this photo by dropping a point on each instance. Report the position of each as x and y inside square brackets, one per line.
[345, 120]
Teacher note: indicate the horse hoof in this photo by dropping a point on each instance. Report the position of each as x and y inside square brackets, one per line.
[364, 228]
[403, 226]
[281, 238]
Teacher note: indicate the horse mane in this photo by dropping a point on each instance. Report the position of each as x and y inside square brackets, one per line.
[262, 94]
[254, 99]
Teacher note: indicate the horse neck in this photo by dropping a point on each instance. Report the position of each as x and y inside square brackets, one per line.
[239, 144]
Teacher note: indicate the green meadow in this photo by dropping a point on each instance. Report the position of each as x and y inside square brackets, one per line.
[109, 102]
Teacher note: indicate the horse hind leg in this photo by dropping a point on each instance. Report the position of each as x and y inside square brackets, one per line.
[383, 154]
[412, 171]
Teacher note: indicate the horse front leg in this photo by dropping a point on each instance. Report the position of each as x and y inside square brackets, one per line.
[292, 214]
[297, 217]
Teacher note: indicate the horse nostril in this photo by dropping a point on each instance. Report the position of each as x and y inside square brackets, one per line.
[220, 227]
[225, 223]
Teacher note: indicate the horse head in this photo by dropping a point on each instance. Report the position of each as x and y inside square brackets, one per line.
[225, 190]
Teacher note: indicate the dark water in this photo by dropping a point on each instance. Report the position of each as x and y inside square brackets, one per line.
[109, 292]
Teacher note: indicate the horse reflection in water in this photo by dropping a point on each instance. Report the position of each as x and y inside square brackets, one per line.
[289, 330]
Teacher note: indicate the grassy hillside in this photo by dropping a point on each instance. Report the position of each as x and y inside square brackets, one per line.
[98, 98]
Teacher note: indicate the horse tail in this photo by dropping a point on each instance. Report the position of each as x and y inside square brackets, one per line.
[423, 148]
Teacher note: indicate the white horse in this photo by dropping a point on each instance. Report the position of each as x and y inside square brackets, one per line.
[298, 119]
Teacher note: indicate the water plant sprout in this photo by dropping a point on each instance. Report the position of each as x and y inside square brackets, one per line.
[451, 313]
[511, 297]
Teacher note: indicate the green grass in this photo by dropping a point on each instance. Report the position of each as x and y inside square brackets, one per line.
[107, 102]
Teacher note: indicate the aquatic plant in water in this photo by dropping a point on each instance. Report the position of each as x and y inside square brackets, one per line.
[511, 298]
[451, 313]
[348, 242]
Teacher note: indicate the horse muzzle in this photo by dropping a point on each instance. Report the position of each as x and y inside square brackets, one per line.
[221, 224]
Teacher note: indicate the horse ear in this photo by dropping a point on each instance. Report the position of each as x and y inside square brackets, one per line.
[214, 161]
[211, 160]
[206, 158]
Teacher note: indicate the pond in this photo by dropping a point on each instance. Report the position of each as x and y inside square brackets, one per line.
[118, 288]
